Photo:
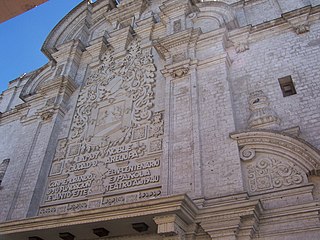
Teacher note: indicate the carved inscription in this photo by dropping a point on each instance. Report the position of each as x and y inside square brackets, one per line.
[132, 176]
[112, 154]
[69, 188]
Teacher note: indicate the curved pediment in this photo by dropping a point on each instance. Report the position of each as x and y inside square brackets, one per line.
[37, 78]
[273, 161]
[69, 28]
[297, 150]
[213, 15]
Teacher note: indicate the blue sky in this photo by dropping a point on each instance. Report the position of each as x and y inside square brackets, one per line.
[21, 38]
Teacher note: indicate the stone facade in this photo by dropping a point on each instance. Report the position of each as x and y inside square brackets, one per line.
[167, 119]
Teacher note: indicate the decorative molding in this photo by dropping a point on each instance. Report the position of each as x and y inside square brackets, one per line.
[61, 149]
[65, 29]
[238, 220]
[46, 115]
[180, 205]
[299, 151]
[293, 131]
[241, 46]
[181, 39]
[126, 12]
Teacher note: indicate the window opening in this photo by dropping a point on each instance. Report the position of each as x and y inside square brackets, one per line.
[287, 86]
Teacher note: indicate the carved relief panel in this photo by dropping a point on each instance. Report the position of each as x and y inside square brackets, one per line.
[267, 172]
[113, 152]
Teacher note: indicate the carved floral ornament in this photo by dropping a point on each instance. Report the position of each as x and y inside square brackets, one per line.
[275, 161]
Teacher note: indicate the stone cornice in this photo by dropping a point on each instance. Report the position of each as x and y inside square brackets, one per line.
[181, 39]
[48, 46]
[237, 219]
[14, 114]
[126, 10]
[176, 7]
[307, 215]
[180, 205]
[240, 207]
[61, 86]
[297, 20]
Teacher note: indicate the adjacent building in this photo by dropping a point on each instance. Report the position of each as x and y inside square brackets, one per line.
[10, 9]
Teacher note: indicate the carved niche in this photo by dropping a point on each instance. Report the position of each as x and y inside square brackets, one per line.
[112, 154]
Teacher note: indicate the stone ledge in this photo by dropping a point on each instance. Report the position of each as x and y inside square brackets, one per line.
[181, 205]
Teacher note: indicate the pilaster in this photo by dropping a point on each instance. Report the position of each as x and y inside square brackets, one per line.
[171, 227]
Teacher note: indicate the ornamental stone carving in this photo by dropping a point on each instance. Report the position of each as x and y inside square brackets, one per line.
[261, 114]
[270, 173]
[247, 153]
[61, 149]
[180, 72]
[302, 28]
[300, 23]
[241, 46]
[112, 154]
[46, 115]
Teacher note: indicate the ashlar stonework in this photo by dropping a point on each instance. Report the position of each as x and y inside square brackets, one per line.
[167, 120]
